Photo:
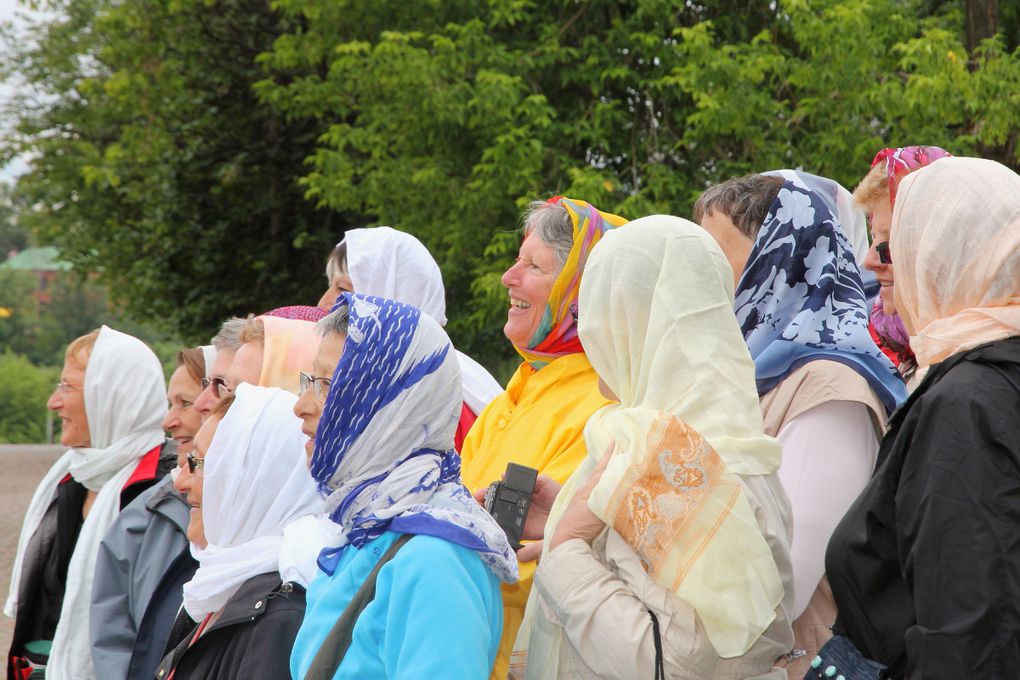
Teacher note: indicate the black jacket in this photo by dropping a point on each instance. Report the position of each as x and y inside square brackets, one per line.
[48, 554]
[925, 566]
[251, 639]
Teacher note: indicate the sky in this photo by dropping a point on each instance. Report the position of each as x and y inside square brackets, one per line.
[8, 11]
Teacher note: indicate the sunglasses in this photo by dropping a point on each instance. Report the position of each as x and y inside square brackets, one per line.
[195, 463]
[220, 384]
[882, 249]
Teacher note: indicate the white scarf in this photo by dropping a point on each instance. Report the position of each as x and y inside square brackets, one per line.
[255, 484]
[392, 264]
[125, 395]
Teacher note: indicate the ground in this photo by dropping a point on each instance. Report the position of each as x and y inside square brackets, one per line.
[23, 467]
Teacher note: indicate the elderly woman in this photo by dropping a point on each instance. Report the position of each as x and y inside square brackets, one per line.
[539, 419]
[405, 528]
[876, 194]
[825, 387]
[670, 558]
[110, 401]
[925, 567]
[273, 352]
[144, 559]
[248, 482]
[392, 264]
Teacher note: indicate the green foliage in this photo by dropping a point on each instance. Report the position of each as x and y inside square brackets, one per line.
[152, 163]
[23, 394]
[200, 152]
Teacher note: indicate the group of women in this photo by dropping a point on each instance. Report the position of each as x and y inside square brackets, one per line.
[748, 469]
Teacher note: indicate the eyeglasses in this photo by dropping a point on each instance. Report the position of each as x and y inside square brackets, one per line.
[882, 249]
[66, 387]
[319, 385]
[220, 384]
[195, 463]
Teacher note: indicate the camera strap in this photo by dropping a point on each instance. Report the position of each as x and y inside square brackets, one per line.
[330, 655]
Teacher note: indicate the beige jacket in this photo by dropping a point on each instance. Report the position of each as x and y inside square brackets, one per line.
[600, 595]
[813, 384]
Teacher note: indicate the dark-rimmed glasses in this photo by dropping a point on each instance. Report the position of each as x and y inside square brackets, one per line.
[882, 249]
[319, 386]
[195, 463]
[220, 384]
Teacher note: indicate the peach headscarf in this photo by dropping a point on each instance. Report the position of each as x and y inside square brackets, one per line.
[956, 244]
[290, 347]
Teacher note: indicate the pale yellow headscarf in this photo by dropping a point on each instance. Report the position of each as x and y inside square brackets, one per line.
[657, 323]
[955, 245]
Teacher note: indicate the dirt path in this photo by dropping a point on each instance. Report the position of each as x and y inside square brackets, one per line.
[23, 467]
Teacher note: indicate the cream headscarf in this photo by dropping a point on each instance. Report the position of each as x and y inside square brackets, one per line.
[956, 247]
[656, 321]
[290, 347]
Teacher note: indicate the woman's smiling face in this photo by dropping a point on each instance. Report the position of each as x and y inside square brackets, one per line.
[529, 282]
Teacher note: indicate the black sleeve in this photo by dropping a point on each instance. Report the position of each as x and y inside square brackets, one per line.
[958, 530]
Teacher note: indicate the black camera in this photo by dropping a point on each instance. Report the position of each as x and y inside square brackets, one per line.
[508, 501]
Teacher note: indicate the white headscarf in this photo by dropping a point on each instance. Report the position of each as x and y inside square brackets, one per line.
[955, 242]
[125, 401]
[255, 483]
[209, 358]
[384, 262]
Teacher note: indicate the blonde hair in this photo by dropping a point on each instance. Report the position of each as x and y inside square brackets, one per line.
[80, 349]
[252, 331]
[873, 188]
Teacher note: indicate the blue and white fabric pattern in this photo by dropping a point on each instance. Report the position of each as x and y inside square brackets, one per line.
[384, 457]
[800, 298]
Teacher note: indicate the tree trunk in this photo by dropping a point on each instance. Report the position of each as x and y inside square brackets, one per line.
[982, 21]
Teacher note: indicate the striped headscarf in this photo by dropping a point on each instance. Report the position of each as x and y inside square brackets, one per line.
[384, 457]
[557, 334]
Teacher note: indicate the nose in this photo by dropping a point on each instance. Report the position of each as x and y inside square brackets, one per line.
[871, 261]
[511, 276]
[184, 478]
[205, 401]
[171, 420]
[327, 300]
[55, 402]
[302, 407]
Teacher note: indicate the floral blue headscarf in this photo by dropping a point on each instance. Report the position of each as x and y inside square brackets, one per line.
[800, 298]
[383, 456]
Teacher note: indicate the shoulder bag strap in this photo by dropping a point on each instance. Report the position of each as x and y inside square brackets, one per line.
[327, 660]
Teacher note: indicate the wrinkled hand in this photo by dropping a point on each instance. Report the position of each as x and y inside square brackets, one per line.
[542, 499]
[578, 520]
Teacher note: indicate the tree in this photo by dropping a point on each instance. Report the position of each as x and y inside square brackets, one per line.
[152, 162]
[446, 122]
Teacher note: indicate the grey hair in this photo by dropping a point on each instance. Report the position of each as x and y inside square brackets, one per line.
[229, 337]
[336, 265]
[551, 223]
[334, 323]
[745, 200]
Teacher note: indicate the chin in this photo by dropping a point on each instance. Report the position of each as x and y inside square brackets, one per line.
[888, 304]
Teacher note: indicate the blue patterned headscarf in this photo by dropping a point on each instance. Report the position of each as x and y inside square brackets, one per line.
[383, 456]
[800, 298]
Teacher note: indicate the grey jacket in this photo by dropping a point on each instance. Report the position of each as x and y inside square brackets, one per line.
[146, 546]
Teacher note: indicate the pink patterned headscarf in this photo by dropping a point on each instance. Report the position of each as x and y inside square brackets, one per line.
[906, 159]
[297, 312]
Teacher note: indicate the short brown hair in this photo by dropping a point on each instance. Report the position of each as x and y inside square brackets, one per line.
[745, 200]
[192, 359]
[80, 349]
[252, 331]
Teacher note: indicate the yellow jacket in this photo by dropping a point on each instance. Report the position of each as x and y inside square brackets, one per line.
[539, 422]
